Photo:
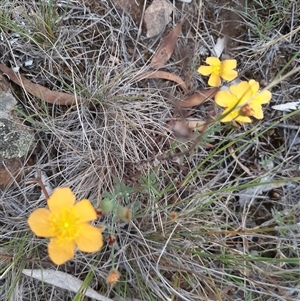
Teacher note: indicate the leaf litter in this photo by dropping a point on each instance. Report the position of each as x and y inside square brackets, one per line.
[162, 55]
[132, 7]
[196, 98]
[163, 75]
[166, 48]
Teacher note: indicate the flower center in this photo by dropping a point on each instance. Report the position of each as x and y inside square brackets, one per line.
[216, 69]
[64, 225]
[246, 110]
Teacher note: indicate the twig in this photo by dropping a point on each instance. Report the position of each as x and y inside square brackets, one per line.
[39, 181]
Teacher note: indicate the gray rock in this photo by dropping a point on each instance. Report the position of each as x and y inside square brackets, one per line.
[7, 103]
[15, 139]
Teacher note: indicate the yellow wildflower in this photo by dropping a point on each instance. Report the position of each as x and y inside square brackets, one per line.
[243, 101]
[66, 224]
[218, 70]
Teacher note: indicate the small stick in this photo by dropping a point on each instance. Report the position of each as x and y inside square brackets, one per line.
[39, 181]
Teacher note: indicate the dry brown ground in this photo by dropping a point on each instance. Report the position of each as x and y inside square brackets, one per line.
[236, 236]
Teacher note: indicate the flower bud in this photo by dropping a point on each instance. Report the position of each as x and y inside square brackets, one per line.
[113, 277]
[106, 206]
[124, 214]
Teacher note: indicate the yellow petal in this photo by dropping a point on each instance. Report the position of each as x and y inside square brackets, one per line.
[234, 115]
[61, 252]
[39, 222]
[213, 61]
[85, 211]
[243, 119]
[229, 74]
[242, 91]
[254, 85]
[257, 111]
[228, 64]
[229, 115]
[205, 70]
[214, 80]
[61, 197]
[89, 239]
[263, 97]
[225, 99]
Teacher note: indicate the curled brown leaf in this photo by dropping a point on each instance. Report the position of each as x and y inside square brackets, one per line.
[163, 75]
[197, 98]
[165, 50]
[43, 93]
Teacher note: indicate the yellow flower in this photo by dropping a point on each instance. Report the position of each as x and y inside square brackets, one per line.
[218, 70]
[66, 223]
[243, 101]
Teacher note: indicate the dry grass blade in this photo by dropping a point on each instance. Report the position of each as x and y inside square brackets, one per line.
[197, 98]
[4, 84]
[163, 75]
[246, 169]
[53, 97]
[165, 50]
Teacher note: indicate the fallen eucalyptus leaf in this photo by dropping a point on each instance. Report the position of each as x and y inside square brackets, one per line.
[219, 47]
[289, 106]
[165, 50]
[64, 281]
[163, 75]
[197, 98]
[43, 93]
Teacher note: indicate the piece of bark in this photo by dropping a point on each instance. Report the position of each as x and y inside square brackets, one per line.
[10, 171]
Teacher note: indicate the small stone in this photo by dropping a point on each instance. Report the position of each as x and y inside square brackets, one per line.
[16, 140]
[7, 103]
[157, 16]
